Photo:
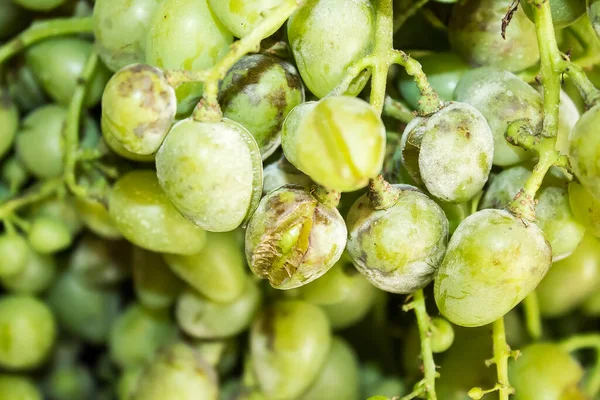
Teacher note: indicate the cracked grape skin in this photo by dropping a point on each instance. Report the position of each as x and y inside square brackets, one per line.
[240, 17]
[584, 151]
[450, 152]
[400, 248]
[211, 172]
[493, 261]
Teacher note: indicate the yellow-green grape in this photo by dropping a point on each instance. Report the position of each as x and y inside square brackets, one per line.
[205, 319]
[583, 151]
[339, 376]
[545, 371]
[281, 173]
[572, 280]
[399, 248]
[475, 30]
[502, 97]
[259, 91]
[450, 152]
[293, 238]
[591, 306]
[211, 172]
[57, 63]
[14, 173]
[218, 271]
[82, 310]
[155, 285]
[564, 12]
[475, 287]
[128, 382]
[39, 5]
[137, 334]
[9, 122]
[118, 149]
[339, 142]
[177, 373]
[49, 235]
[593, 12]
[138, 108]
[62, 208]
[14, 254]
[28, 332]
[585, 207]
[221, 354]
[442, 335]
[327, 37]
[240, 17]
[95, 217]
[289, 345]
[35, 277]
[120, 30]
[18, 387]
[143, 214]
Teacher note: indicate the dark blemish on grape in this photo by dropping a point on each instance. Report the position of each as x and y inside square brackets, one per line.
[81, 81]
[321, 218]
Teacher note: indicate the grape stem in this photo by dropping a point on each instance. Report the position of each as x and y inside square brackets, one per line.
[532, 316]
[585, 341]
[41, 192]
[403, 16]
[502, 353]
[397, 110]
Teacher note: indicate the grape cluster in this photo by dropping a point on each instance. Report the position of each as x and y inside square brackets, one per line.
[269, 200]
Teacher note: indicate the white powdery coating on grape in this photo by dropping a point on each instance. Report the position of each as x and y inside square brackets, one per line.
[456, 155]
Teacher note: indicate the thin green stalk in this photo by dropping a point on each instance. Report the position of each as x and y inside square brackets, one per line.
[423, 321]
[384, 35]
[585, 341]
[532, 316]
[501, 355]
[403, 16]
[586, 88]
[397, 110]
[41, 192]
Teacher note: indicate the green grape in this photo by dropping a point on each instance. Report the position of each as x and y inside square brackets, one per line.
[585, 207]
[240, 17]
[501, 97]
[155, 285]
[35, 277]
[211, 172]
[14, 254]
[375, 385]
[39, 142]
[141, 211]
[137, 334]
[593, 12]
[442, 335]
[14, 173]
[339, 376]
[339, 142]
[450, 152]
[493, 262]
[294, 238]
[100, 263]
[70, 382]
[28, 332]
[289, 345]
[15, 387]
[62, 208]
[397, 248]
[583, 151]
[218, 271]
[9, 122]
[504, 187]
[202, 318]
[282, 172]
[544, 371]
[13, 18]
[40, 5]
[57, 64]
[118, 149]
[138, 108]
[95, 217]
[326, 37]
[177, 373]
[564, 12]
[570, 281]
[259, 91]
[24, 88]
[84, 311]
[49, 235]
[474, 33]
[443, 71]
[128, 382]
[120, 30]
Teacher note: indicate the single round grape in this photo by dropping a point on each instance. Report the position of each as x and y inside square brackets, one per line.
[202, 318]
[155, 285]
[14, 173]
[585, 207]
[39, 5]
[289, 344]
[49, 235]
[35, 277]
[398, 249]
[138, 108]
[443, 71]
[94, 216]
[137, 334]
[57, 64]
[326, 37]
[450, 152]
[9, 122]
[177, 373]
[240, 17]
[28, 332]
[211, 172]
[583, 151]
[442, 335]
[493, 262]
[24, 88]
[293, 238]
[282, 172]
[544, 371]
[14, 254]
[339, 142]
[120, 30]
[593, 12]
[62, 208]
[501, 97]
[259, 91]
[143, 214]
[474, 33]
[70, 382]
[217, 272]
[17, 387]
[504, 187]
[564, 12]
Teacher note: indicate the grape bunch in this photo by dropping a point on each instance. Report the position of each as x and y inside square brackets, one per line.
[299, 199]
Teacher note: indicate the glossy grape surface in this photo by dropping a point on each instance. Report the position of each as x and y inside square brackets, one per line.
[241, 16]
[583, 152]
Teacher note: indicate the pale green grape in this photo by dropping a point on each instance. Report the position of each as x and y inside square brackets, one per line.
[241, 16]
